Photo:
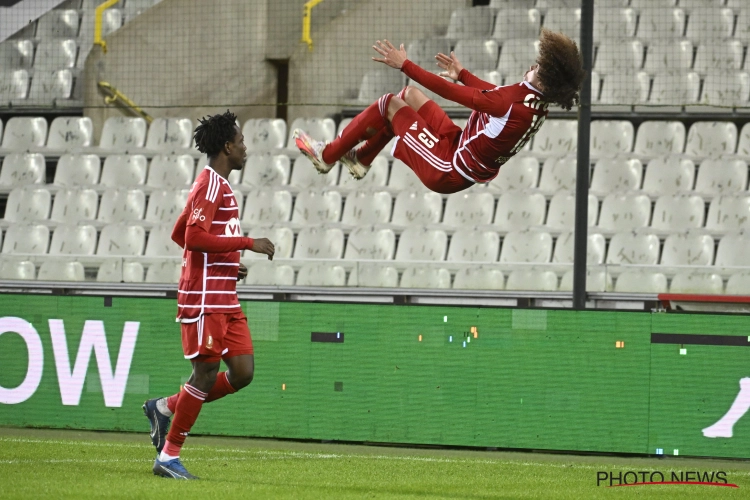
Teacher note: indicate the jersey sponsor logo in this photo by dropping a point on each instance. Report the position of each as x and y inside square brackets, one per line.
[233, 227]
[413, 126]
[427, 138]
[197, 214]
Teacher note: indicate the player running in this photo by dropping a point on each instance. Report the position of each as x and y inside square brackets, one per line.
[445, 158]
[213, 325]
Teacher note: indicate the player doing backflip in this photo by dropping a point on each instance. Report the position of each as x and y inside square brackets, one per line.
[213, 325]
[445, 158]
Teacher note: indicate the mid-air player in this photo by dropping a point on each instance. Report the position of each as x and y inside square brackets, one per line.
[213, 325]
[445, 158]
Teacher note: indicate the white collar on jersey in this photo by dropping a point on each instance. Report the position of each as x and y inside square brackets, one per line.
[524, 82]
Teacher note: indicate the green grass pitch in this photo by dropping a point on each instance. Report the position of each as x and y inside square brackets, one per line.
[72, 464]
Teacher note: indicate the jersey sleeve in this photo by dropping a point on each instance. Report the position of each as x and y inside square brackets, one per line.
[471, 80]
[206, 199]
[494, 103]
[178, 233]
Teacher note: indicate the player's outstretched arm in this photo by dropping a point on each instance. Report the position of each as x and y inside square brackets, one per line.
[263, 245]
[455, 70]
[391, 56]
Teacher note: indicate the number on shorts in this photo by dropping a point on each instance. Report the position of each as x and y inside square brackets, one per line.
[427, 141]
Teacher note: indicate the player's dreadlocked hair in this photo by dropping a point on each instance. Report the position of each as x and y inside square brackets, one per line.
[560, 69]
[213, 132]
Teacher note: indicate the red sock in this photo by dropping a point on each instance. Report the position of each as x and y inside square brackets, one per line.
[374, 145]
[221, 388]
[186, 413]
[374, 116]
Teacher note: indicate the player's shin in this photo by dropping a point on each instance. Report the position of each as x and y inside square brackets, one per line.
[373, 117]
[186, 413]
[374, 145]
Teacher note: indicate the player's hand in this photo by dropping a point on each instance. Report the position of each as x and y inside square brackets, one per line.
[450, 64]
[263, 245]
[242, 273]
[392, 56]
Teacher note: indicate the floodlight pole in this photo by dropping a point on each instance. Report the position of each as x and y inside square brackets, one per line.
[582, 172]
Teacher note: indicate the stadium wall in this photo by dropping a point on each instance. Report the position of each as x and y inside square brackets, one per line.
[464, 376]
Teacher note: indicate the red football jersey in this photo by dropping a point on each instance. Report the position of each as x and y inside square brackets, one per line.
[503, 121]
[208, 283]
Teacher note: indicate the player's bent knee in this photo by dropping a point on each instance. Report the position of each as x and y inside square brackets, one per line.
[394, 105]
[242, 379]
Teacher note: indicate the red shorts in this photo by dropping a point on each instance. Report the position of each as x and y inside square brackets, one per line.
[427, 140]
[216, 336]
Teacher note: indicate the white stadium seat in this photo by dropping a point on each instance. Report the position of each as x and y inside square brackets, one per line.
[723, 91]
[17, 270]
[624, 212]
[124, 204]
[117, 271]
[74, 205]
[614, 24]
[616, 174]
[403, 178]
[376, 177]
[656, 138]
[660, 23]
[425, 277]
[160, 242]
[667, 175]
[597, 280]
[526, 246]
[468, 208]
[721, 176]
[305, 176]
[621, 91]
[123, 134]
[321, 274]
[61, 271]
[620, 56]
[512, 4]
[633, 249]
[518, 210]
[743, 146]
[20, 169]
[477, 55]
[562, 211]
[678, 212]
[517, 22]
[317, 207]
[742, 31]
[516, 56]
[16, 54]
[169, 134]
[320, 129]
[266, 169]
[556, 137]
[319, 242]
[470, 22]
[709, 24]
[164, 272]
[22, 133]
[164, 206]
[737, 284]
[545, 5]
[669, 55]
[171, 171]
[558, 174]
[474, 245]
[367, 207]
[707, 139]
[14, 86]
[269, 273]
[564, 249]
[419, 243]
[718, 56]
[26, 238]
[69, 133]
[422, 52]
[58, 23]
[696, 282]
[49, 88]
[267, 206]
[479, 278]
[373, 275]
[28, 204]
[565, 19]
[520, 172]
[378, 82]
[73, 240]
[729, 213]
[611, 137]
[532, 280]
[281, 236]
[124, 171]
[122, 239]
[688, 249]
[52, 54]
[417, 207]
[732, 251]
[263, 134]
[637, 281]
[370, 242]
[671, 91]
[77, 170]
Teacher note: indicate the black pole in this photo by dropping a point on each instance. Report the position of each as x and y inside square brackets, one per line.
[582, 172]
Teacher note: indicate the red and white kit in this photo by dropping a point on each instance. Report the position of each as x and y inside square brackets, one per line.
[448, 159]
[213, 324]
